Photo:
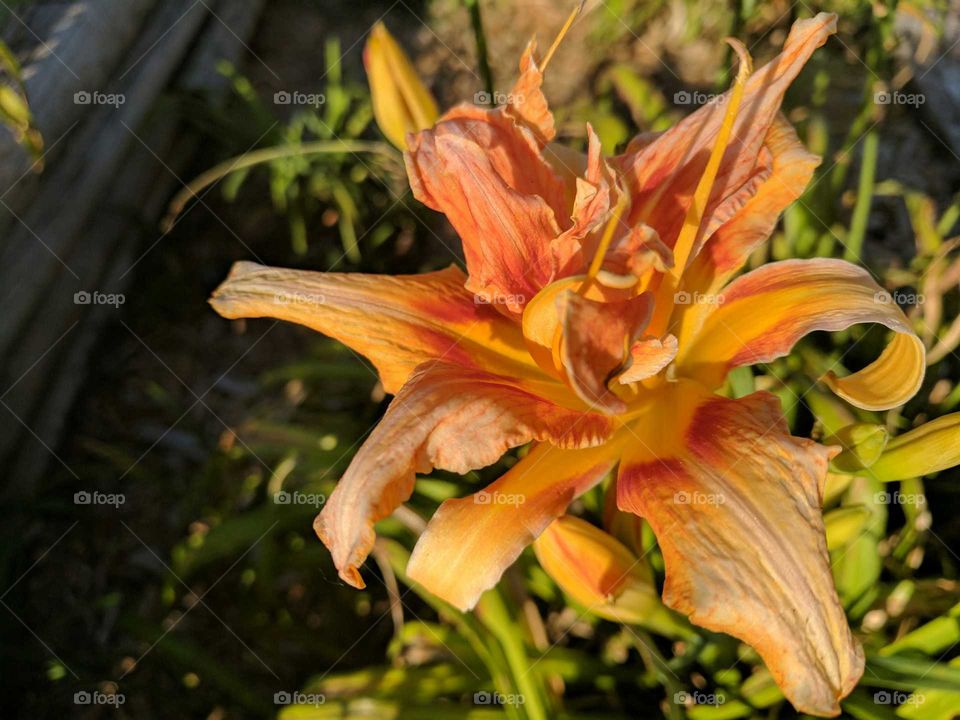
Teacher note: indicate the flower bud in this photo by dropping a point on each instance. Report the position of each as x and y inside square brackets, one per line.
[603, 575]
[932, 447]
[401, 102]
[862, 445]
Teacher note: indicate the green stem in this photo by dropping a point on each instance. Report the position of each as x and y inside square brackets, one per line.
[265, 155]
[486, 76]
[861, 211]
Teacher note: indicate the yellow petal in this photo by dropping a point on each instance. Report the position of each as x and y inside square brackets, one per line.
[447, 417]
[734, 501]
[401, 102]
[470, 541]
[397, 321]
[762, 314]
[932, 447]
[891, 380]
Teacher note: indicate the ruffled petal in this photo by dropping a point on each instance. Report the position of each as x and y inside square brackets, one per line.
[735, 501]
[663, 174]
[597, 338]
[752, 221]
[762, 315]
[397, 322]
[526, 103]
[471, 541]
[649, 356]
[445, 417]
[486, 174]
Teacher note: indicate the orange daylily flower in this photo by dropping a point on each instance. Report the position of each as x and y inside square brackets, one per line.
[598, 319]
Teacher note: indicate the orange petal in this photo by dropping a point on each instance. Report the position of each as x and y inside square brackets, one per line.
[471, 541]
[397, 322]
[649, 356]
[637, 252]
[401, 102]
[664, 173]
[791, 166]
[782, 176]
[526, 103]
[734, 501]
[597, 337]
[486, 174]
[595, 196]
[446, 417]
[765, 312]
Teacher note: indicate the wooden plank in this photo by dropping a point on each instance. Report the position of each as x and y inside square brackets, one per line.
[92, 234]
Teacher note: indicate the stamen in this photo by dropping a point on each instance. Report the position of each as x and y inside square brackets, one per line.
[667, 284]
[698, 205]
[604, 245]
[560, 35]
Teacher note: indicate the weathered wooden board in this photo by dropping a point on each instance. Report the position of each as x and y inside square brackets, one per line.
[78, 226]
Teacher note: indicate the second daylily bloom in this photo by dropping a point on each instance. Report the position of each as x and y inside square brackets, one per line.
[597, 317]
